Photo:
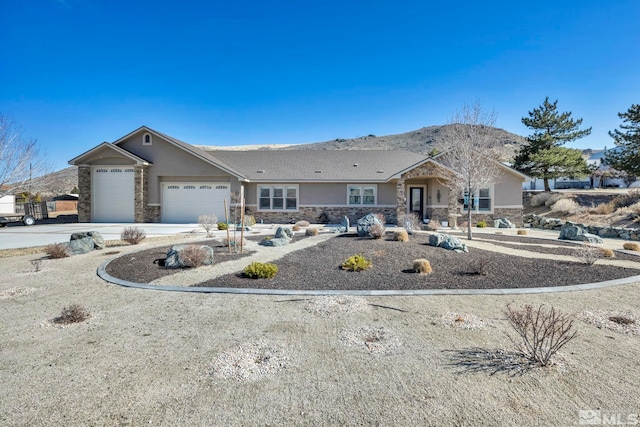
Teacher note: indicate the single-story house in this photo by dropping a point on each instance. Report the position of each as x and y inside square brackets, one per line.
[147, 176]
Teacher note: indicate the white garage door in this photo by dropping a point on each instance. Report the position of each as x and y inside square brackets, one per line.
[184, 202]
[113, 194]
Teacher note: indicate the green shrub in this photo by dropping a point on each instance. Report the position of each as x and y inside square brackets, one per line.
[311, 232]
[223, 226]
[481, 224]
[260, 270]
[422, 266]
[356, 263]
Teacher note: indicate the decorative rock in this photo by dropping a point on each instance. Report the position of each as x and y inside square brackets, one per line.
[85, 242]
[573, 232]
[447, 241]
[276, 241]
[284, 233]
[503, 223]
[365, 223]
[345, 223]
[174, 258]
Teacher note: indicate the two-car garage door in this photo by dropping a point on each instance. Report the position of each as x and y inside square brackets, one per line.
[184, 202]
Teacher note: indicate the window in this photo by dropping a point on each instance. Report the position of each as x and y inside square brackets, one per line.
[146, 139]
[278, 198]
[362, 194]
[481, 201]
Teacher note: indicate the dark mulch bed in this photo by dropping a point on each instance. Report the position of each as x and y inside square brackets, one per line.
[143, 266]
[318, 267]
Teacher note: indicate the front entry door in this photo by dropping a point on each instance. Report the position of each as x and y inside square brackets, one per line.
[416, 201]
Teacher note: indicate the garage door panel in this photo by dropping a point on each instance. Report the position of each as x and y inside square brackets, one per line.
[185, 202]
[113, 194]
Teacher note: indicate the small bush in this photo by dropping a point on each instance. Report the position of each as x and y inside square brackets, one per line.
[566, 206]
[587, 253]
[433, 225]
[607, 253]
[75, 313]
[410, 221]
[481, 224]
[303, 223]
[295, 227]
[539, 199]
[522, 232]
[356, 263]
[194, 256]
[223, 226]
[249, 220]
[625, 200]
[401, 236]
[554, 198]
[260, 270]
[37, 264]
[57, 250]
[542, 331]
[208, 223]
[311, 232]
[603, 209]
[422, 266]
[631, 246]
[377, 231]
[480, 267]
[132, 235]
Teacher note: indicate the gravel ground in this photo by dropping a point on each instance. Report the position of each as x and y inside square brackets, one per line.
[172, 359]
[318, 266]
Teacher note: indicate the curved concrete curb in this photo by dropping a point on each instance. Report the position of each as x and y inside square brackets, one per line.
[102, 273]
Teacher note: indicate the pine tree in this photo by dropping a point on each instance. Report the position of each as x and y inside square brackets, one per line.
[627, 156]
[550, 130]
[556, 162]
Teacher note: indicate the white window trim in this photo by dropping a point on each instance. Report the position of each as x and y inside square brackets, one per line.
[284, 187]
[362, 187]
[144, 139]
[491, 198]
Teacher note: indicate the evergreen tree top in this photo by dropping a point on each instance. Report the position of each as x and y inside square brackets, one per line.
[551, 128]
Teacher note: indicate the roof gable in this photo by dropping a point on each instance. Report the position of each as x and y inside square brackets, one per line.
[109, 148]
[194, 151]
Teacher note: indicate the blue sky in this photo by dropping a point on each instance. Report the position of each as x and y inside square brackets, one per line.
[75, 73]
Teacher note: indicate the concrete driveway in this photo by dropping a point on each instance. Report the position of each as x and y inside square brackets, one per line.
[20, 236]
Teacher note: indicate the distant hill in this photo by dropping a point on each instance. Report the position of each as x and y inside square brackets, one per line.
[421, 141]
[55, 183]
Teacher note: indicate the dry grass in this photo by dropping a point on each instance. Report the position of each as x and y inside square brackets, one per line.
[522, 232]
[539, 199]
[296, 227]
[566, 206]
[401, 236]
[422, 266]
[194, 256]
[631, 246]
[311, 231]
[303, 223]
[133, 235]
[607, 253]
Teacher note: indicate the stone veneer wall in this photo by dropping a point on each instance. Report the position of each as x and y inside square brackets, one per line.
[84, 198]
[313, 214]
[152, 214]
[140, 194]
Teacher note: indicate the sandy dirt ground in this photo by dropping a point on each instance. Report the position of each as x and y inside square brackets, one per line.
[183, 359]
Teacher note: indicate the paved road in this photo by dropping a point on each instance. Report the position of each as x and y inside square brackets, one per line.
[20, 236]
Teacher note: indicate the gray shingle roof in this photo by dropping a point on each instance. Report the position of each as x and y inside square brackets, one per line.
[308, 165]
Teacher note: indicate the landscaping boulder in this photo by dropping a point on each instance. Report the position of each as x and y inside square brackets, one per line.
[503, 223]
[284, 233]
[175, 260]
[85, 242]
[276, 241]
[366, 223]
[447, 241]
[574, 232]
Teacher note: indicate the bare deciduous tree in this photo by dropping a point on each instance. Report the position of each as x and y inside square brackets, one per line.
[20, 157]
[471, 154]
